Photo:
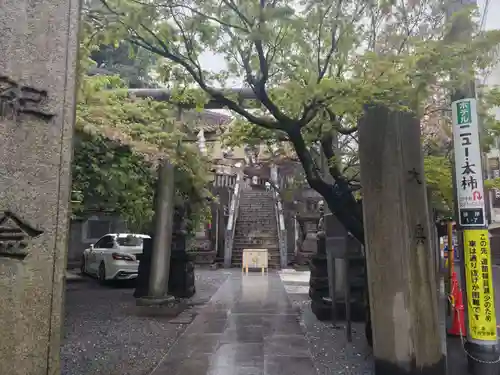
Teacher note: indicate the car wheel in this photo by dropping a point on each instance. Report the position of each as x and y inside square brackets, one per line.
[102, 273]
[83, 266]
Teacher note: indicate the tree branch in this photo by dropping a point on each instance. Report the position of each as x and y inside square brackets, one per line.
[334, 119]
[195, 72]
[234, 7]
[333, 41]
[260, 85]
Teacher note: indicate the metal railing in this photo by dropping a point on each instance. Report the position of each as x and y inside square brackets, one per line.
[231, 223]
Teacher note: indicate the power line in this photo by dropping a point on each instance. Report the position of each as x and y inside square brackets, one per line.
[485, 14]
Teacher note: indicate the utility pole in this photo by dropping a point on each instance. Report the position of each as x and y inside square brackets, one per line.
[472, 227]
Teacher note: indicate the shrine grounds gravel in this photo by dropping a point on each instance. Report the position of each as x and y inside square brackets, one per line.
[104, 335]
[332, 354]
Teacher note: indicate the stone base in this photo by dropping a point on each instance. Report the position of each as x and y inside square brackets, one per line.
[203, 257]
[303, 258]
[181, 281]
[159, 307]
[319, 294]
[168, 301]
[323, 311]
[181, 278]
[300, 267]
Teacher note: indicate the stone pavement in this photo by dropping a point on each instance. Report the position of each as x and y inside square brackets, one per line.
[249, 327]
[256, 325]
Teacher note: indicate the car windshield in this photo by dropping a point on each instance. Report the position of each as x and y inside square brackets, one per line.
[129, 241]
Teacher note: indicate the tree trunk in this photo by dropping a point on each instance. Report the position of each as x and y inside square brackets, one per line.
[399, 255]
[337, 196]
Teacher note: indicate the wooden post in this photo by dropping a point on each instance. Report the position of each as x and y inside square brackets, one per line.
[401, 272]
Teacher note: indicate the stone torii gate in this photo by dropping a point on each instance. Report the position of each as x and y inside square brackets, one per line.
[157, 290]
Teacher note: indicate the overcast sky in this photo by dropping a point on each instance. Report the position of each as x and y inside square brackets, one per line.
[214, 62]
[492, 14]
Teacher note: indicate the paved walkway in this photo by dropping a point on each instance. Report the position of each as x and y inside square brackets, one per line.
[247, 328]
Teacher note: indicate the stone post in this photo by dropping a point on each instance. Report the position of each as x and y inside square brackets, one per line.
[401, 272]
[39, 43]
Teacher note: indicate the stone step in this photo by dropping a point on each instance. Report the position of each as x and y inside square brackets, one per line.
[263, 223]
[256, 225]
[265, 226]
[257, 202]
[268, 196]
[248, 245]
[255, 233]
[256, 240]
[252, 216]
[259, 228]
[270, 249]
[256, 218]
[254, 222]
[263, 235]
[257, 206]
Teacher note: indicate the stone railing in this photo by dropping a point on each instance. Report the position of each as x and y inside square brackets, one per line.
[280, 218]
[231, 223]
[223, 180]
[280, 222]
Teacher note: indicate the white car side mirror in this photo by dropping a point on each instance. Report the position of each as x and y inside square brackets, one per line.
[91, 247]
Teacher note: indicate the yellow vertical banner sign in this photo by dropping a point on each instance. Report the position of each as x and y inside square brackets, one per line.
[479, 281]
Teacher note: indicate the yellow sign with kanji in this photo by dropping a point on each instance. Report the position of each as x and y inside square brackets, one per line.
[479, 281]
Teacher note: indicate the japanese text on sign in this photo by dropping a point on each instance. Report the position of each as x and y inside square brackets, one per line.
[468, 170]
[482, 318]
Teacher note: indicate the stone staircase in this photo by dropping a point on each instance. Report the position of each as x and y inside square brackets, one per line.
[256, 226]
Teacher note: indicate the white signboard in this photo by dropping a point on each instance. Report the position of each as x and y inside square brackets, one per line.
[255, 258]
[468, 169]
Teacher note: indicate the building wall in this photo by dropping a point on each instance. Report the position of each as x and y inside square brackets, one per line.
[86, 231]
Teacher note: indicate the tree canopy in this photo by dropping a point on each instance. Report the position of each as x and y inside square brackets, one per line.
[119, 141]
[129, 62]
[312, 65]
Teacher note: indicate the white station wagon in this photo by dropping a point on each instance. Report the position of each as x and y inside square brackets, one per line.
[114, 257]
